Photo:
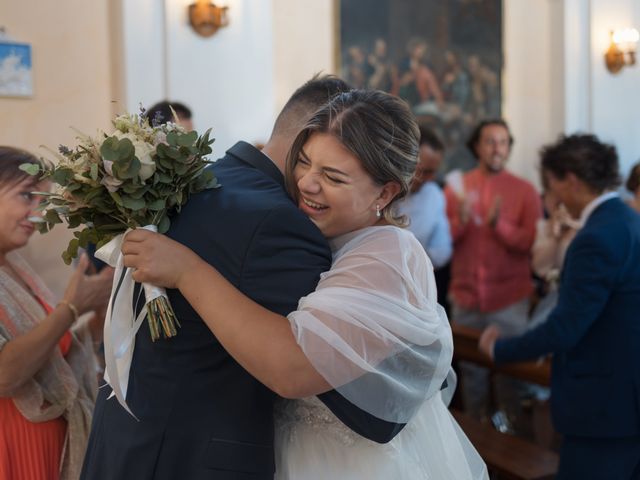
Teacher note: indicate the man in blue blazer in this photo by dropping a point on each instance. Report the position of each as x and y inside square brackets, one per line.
[201, 415]
[594, 331]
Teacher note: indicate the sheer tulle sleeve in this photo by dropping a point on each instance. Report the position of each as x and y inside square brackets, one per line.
[373, 328]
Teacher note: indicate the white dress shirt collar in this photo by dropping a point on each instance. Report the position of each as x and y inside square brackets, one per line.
[595, 203]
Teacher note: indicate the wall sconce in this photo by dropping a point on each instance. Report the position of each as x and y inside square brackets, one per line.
[622, 50]
[207, 18]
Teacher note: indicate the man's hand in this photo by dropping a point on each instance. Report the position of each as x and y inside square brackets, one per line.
[494, 212]
[465, 210]
[488, 340]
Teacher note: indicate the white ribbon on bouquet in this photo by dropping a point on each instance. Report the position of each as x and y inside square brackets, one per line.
[121, 323]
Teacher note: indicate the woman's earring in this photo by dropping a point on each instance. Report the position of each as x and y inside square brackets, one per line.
[378, 211]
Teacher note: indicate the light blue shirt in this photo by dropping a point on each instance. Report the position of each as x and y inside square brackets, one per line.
[429, 224]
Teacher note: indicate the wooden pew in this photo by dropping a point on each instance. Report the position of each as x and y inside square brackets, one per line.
[465, 347]
[508, 456]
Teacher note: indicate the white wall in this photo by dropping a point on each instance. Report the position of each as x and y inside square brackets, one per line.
[227, 79]
[615, 101]
[531, 79]
[304, 43]
[143, 32]
[71, 52]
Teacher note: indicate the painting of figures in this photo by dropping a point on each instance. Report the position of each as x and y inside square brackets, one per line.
[443, 57]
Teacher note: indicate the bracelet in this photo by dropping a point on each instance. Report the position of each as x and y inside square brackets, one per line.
[72, 308]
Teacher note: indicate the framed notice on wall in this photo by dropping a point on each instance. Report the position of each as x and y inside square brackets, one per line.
[16, 78]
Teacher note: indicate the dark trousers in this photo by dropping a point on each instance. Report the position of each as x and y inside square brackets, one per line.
[599, 458]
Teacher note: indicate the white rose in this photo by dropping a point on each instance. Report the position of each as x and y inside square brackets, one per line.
[147, 165]
[143, 151]
[161, 137]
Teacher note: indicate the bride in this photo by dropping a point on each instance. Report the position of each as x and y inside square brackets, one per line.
[372, 329]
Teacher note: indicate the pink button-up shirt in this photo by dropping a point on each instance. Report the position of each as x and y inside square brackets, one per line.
[491, 264]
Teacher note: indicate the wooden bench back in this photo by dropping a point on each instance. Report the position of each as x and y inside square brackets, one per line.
[508, 456]
[465, 347]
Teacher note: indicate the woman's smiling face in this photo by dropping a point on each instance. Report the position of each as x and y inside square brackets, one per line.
[334, 190]
[17, 204]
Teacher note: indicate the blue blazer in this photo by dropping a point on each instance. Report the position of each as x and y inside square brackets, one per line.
[202, 416]
[594, 331]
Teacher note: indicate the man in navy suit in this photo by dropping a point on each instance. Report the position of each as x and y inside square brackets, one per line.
[594, 331]
[201, 415]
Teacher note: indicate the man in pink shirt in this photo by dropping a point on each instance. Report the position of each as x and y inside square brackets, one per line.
[493, 216]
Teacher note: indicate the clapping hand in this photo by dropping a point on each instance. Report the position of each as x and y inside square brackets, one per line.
[88, 292]
[494, 211]
[465, 210]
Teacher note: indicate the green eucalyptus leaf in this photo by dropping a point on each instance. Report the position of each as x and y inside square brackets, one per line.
[174, 154]
[31, 168]
[66, 257]
[181, 168]
[42, 227]
[131, 187]
[115, 149]
[187, 139]
[161, 150]
[166, 163]
[74, 221]
[72, 249]
[172, 138]
[164, 224]
[163, 177]
[93, 193]
[52, 216]
[134, 204]
[62, 175]
[139, 193]
[126, 168]
[116, 197]
[157, 205]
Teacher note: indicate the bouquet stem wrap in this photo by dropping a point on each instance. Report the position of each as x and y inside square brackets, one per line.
[121, 323]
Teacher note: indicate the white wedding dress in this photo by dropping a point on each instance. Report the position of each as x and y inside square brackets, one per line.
[375, 332]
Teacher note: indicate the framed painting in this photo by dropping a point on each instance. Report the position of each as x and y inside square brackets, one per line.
[15, 70]
[443, 57]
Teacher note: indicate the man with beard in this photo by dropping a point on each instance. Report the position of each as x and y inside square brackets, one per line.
[493, 225]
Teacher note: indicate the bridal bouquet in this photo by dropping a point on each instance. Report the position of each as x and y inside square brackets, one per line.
[132, 178]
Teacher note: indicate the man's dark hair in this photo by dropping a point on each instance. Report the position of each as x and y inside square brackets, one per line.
[633, 182]
[474, 138]
[431, 138]
[306, 100]
[10, 160]
[160, 113]
[593, 162]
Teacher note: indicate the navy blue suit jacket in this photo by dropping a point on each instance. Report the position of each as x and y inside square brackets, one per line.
[202, 416]
[594, 331]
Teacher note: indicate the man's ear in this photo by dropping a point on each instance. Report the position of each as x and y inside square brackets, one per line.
[389, 191]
